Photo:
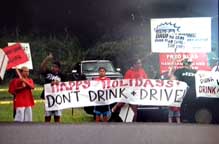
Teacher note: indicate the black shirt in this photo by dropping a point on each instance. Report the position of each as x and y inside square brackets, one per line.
[186, 75]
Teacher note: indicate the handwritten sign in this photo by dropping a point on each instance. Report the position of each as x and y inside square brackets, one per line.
[26, 48]
[93, 93]
[16, 55]
[207, 84]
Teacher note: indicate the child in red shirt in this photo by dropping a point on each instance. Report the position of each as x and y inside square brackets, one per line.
[105, 109]
[24, 98]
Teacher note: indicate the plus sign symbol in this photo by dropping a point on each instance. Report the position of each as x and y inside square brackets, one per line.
[133, 93]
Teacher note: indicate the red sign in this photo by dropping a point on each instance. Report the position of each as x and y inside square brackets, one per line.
[16, 55]
[199, 61]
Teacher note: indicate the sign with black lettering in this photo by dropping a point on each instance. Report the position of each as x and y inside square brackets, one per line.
[26, 48]
[16, 55]
[207, 84]
[184, 34]
[93, 93]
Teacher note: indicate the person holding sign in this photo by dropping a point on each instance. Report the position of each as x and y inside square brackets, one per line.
[24, 97]
[185, 74]
[135, 72]
[53, 76]
[104, 110]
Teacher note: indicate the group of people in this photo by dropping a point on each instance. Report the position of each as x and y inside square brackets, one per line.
[22, 87]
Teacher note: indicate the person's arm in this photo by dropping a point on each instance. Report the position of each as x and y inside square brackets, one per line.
[19, 86]
[127, 74]
[28, 83]
[43, 65]
[145, 76]
[172, 77]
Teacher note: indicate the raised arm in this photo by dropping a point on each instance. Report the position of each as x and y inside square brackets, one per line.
[43, 65]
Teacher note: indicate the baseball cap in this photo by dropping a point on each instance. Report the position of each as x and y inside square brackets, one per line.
[187, 61]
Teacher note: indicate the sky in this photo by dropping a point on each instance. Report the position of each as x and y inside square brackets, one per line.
[91, 20]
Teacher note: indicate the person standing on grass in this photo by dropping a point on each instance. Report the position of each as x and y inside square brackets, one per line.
[11, 90]
[53, 76]
[135, 72]
[104, 110]
[24, 98]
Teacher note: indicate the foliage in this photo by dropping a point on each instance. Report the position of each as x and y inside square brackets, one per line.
[68, 50]
[122, 53]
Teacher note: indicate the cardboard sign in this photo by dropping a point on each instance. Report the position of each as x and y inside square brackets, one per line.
[126, 113]
[16, 55]
[207, 84]
[3, 63]
[26, 48]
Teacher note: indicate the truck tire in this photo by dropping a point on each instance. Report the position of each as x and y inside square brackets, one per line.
[203, 115]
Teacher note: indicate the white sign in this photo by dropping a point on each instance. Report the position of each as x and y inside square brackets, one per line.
[207, 84]
[92, 93]
[183, 34]
[26, 47]
[126, 113]
[3, 63]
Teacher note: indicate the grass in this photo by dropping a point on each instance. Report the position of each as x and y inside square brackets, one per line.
[6, 112]
[5, 95]
[79, 116]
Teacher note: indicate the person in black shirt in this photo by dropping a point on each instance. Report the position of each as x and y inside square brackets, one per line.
[185, 74]
[52, 76]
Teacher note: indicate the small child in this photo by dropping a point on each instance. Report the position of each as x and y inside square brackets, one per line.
[24, 97]
[174, 112]
[105, 109]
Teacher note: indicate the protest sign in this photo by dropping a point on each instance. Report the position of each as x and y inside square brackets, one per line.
[185, 34]
[199, 61]
[207, 84]
[126, 113]
[26, 48]
[16, 55]
[93, 93]
[3, 63]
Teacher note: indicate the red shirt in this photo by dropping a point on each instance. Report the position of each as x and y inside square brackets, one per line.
[136, 74]
[24, 97]
[175, 109]
[102, 78]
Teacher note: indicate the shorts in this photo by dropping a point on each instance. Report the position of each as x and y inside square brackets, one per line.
[23, 114]
[105, 114]
[173, 113]
[53, 113]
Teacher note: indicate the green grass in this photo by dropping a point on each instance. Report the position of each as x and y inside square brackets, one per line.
[79, 116]
[5, 95]
[6, 112]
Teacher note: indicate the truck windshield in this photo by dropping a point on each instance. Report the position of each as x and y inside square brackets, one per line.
[94, 66]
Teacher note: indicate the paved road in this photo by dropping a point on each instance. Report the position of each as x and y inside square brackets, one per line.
[108, 133]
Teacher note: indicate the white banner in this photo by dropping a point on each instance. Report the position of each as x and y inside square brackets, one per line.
[3, 63]
[26, 47]
[90, 93]
[207, 84]
[184, 34]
